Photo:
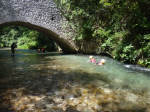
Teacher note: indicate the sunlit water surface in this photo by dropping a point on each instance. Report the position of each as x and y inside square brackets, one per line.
[53, 81]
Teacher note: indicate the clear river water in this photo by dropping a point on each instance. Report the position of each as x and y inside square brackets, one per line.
[58, 82]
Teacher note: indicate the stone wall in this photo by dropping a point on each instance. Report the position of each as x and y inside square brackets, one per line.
[40, 15]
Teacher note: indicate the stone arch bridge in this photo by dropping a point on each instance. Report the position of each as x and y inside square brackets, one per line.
[39, 15]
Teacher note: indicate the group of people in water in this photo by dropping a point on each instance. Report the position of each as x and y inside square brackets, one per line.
[102, 62]
[13, 45]
[41, 50]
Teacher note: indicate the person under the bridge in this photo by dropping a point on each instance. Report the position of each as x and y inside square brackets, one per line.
[43, 50]
[39, 50]
[13, 48]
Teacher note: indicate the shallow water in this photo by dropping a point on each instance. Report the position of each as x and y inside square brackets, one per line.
[53, 81]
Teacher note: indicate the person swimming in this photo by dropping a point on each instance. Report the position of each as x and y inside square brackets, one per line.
[102, 62]
[92, 59]
[39, 50]
[43, 50]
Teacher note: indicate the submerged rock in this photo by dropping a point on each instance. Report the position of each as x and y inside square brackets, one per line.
[80, 107]
[131, 97]
[88, 110]
[106, 90]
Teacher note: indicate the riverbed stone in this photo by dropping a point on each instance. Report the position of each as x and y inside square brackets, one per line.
[80, 107]
[131, 97]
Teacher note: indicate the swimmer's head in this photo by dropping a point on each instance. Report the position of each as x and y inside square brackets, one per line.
[102, 61]
[91, 57]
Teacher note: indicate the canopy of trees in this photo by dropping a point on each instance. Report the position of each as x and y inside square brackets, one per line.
[25, 38]
[122, 27]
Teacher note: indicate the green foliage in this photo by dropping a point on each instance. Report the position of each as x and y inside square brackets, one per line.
[8, 35]
[120, 26]
[1, 45]
[25, 46]
[25, 38]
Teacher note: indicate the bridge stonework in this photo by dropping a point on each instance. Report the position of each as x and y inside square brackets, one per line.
[40, 15]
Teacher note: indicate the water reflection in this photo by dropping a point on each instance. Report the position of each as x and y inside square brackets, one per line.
[13, 57]
[57, 82]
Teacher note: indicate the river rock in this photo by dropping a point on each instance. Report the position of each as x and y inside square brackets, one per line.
[106, 90]
[88, 110]
[131, 97]
[80, 107]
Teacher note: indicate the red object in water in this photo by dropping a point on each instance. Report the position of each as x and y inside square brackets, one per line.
[92, 60]
[39, 50]
[43, 50]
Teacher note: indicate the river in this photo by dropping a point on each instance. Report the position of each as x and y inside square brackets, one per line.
[58, 82]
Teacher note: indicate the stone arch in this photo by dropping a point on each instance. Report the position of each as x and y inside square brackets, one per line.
[64, 45]
[39, 15]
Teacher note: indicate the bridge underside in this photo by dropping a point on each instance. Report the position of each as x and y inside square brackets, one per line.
[39, 15]
[63, 43]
